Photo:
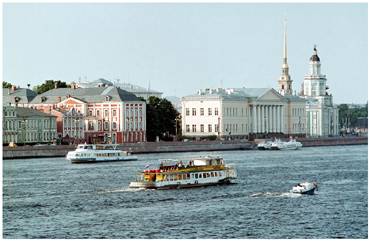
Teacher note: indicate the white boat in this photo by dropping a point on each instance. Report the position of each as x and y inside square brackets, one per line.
[266, 145]
[86, 153]
[175, 174]
[292, 144]
[305, 188]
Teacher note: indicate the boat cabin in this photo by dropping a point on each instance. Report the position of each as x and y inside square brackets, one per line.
[97, 146]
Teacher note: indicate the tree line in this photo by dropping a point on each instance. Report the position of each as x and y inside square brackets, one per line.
[348, 116]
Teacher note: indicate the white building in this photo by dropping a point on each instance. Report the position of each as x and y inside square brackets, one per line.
[322, 115]
[240, 112]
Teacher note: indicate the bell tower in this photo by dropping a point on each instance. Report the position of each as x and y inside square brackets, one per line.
[285, 82]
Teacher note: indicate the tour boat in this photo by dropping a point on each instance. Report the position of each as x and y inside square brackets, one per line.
[305, 188]
[292, 144]
[195, 173]
[266, 145]
[86, 153]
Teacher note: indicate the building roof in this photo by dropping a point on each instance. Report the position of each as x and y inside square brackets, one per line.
[254, 92]
[28, 112]
[125, 86]
[24, 95]
[96, 94]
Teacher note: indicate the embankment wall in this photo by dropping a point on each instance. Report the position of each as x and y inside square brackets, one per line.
[161, 147]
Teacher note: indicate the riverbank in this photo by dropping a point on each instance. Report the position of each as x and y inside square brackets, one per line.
[162, 147]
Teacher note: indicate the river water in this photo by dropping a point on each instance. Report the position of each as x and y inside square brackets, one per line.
[51, 198]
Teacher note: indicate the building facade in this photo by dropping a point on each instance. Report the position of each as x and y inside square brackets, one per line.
[27, 126]
[240, 113]
[110, 114]
[322, 115]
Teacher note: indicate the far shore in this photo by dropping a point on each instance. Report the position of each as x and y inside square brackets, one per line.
[24, 152]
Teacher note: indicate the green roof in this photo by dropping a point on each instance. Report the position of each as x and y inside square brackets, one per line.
[96, 94]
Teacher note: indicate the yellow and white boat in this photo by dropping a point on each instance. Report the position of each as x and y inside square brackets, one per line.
[175, 174]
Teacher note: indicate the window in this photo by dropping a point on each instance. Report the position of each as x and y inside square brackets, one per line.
[187, 128]
[209, 128]
[216, 111]
[194, 128]
[187, 112]
[105, 113]
[201, 111]
[216, 128]
[97, 113]
[194, 111]
[201, 128]
[204, 175]
[114, 125]
[209, 111]
[106, 125]
[91, 126]
[114, 112]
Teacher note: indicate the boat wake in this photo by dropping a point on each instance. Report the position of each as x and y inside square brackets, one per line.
[122, 190]
[276, 194]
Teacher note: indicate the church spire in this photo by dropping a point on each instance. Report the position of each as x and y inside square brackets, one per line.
[285, 83]
[285, 54]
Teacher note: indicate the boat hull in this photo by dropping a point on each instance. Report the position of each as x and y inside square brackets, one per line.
[94, 160]
[308, 192]
[225, 181]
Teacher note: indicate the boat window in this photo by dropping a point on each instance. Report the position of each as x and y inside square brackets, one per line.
[208, 175]
[212, 175]
[196, 175]
[215, 174]
[204, 175]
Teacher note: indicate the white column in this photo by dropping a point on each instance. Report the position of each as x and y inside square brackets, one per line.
[273, 119]
[263, 119]
[254, 124]
[280, 120]
[269, 118]
[258, 118]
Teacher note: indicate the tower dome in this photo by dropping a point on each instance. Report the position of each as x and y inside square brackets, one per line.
[315, 57]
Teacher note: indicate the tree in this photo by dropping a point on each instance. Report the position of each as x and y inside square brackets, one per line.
[7, 85]
[50, 84]
[348, 116]
[160, 118]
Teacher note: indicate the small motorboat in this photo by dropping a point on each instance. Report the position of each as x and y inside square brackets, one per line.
[305, 188]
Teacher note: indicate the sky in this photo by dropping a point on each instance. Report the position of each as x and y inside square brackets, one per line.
[180, 48]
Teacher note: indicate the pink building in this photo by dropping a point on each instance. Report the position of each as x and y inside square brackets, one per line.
[110, 114]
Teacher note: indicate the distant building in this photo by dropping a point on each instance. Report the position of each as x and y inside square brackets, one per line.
[241, 112]
[322, 115]
[135, 89]
[27, 126]
[110, 114]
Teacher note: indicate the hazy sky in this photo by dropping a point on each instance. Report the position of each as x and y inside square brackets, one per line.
[180, 48]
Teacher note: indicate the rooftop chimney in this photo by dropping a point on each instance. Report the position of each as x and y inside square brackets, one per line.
[13, 88]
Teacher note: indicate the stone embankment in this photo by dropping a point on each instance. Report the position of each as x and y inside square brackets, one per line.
[160, 147]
